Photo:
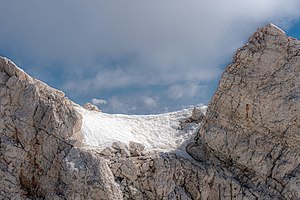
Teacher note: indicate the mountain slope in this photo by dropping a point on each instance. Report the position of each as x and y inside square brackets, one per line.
[247, 146]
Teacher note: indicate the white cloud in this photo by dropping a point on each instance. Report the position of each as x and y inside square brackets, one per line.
[150, 102]
[98, 102]
[161, 35]
[121, 104]
[116, 104]
[186, 90]
[153, 102]
[110, 45]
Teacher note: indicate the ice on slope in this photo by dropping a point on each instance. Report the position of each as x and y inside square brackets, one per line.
[277, 28]
[157, 132]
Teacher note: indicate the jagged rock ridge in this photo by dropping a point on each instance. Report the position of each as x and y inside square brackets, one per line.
[247, 147]
[253, 120]
[39, 133]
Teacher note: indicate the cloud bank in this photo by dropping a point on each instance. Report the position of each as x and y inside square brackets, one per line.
[153, 51]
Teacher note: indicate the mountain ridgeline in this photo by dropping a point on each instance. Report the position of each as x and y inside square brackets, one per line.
[247, 146]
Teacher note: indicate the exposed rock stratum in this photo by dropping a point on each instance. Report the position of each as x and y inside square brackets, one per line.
[248, 146]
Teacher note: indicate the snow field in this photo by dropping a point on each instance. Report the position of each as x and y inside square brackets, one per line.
[157, 132]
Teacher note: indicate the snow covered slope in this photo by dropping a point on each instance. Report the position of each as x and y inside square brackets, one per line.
[157, 132]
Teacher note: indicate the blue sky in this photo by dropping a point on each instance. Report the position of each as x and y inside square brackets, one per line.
[133, 56]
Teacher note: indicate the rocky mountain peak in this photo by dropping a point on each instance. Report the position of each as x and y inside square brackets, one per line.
[253, 119]
[8, 68]
[269, 29]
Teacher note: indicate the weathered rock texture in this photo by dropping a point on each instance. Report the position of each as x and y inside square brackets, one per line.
[39, 132]
[248, 147]
[167, 176]
[253, 121]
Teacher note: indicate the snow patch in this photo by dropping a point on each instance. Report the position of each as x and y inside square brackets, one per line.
[157, 132]
[277, 28]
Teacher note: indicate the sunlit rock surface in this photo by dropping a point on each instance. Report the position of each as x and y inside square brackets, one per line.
[252, 124]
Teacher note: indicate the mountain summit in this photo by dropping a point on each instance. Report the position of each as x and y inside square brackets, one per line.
[253, 121]
[244, 145]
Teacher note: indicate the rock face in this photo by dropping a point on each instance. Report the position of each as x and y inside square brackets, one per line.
[253, 120]
[40, 139]
[247, 148]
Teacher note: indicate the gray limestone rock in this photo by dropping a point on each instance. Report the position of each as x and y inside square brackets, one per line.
[91, 107]
[40, 139]
[253, 120]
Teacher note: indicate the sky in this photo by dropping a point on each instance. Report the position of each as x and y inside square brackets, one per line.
[135, 56]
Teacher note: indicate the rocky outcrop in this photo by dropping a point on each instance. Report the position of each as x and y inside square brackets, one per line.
[252, 124]
[38, 128]
[90, 107]
[167, 176]
[39, 137]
